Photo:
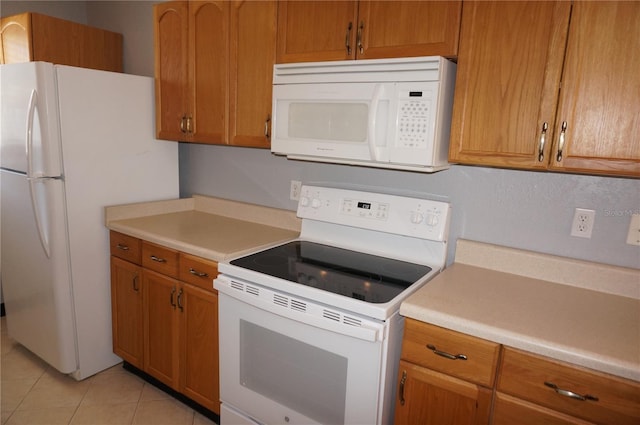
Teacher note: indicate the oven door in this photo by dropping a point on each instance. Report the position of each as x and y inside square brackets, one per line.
[279, 364]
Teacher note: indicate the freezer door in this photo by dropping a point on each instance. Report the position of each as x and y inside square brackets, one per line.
[36, 287]
[29, 123]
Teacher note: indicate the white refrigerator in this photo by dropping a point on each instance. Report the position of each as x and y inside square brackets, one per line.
[73, 141]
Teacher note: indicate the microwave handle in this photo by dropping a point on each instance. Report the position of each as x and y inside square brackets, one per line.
[373, 117]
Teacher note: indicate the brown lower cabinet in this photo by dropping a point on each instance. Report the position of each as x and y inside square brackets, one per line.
[165, 314]
[446, 377]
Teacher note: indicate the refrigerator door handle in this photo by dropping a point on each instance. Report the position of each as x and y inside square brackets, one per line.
[33, 99]
[33, 180]
[40, 224]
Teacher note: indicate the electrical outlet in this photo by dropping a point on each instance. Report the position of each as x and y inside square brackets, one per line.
[294, 193]
[583, 223]
[633, 238]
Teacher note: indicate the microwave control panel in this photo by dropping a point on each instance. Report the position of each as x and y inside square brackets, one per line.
[414, 120]
[414, 115]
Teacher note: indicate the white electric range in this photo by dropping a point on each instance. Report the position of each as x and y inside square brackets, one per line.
[310, 330]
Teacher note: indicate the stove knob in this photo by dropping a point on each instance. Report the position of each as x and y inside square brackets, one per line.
[315, 203]
[416, 217]
[304, 201]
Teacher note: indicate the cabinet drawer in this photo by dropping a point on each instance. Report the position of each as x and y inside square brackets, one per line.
[509, 410]
[125, 247]
[444, 350]
[530, 377]
[198, 271]
[160, 259]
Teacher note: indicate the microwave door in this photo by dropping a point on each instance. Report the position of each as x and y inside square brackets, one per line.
[332, 121]
[378, 124]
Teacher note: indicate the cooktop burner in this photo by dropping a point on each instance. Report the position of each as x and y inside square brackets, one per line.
[353, 274]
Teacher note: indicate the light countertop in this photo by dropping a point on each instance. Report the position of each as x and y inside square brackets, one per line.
[576, 311]
[212, 228]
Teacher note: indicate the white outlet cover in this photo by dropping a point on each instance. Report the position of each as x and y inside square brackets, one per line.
[294, 190]
[633, 237]
[582, 225]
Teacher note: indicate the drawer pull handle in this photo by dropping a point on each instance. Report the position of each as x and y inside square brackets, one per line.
[197, 273]
[173, 301]
[563, 131]
[571, 394]
[403, 381]
[543, 136]
[346, 40]
[180, 306]
[122, 247]
[445, 354]
[158, 259]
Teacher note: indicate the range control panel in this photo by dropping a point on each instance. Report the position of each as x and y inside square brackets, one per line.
[402, 215]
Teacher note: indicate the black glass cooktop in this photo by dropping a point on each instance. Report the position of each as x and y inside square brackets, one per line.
[353, 274]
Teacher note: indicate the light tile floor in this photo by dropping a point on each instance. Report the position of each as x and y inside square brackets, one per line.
[33, 393]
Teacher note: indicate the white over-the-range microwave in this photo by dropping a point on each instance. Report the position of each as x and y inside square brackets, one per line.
[386, 113]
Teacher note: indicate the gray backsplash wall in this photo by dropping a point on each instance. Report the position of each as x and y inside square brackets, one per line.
[528, 210]
[522, 209]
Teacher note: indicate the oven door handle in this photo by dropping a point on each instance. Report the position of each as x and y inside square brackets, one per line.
[312, 314]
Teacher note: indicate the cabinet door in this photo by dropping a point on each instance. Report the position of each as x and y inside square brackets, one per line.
[126, 311]
[252, 55]
[15, 34]
[600, 96]
[199, 375]
[171, 35]
[427, 28]
[208, 75]
[316, 30]
[507, 82]
[432, 398]
[161, 327]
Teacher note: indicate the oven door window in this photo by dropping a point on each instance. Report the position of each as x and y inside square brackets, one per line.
[279, 370]
[283, 369]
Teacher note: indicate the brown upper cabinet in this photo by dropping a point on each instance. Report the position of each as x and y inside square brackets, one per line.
[213, 67]
[549, 86]
[34, 37]
[340, 30]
